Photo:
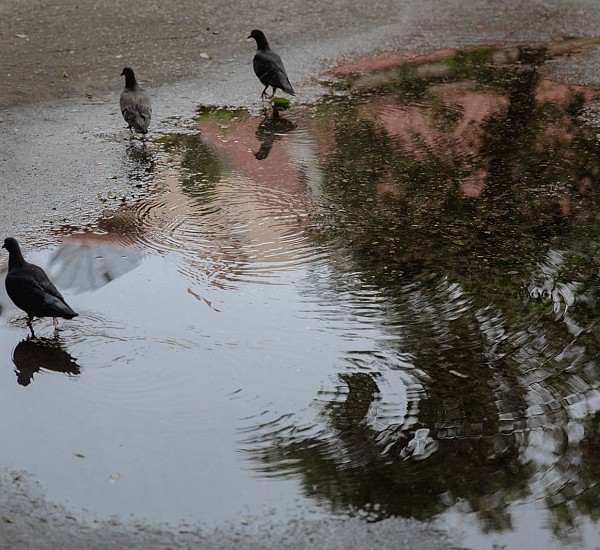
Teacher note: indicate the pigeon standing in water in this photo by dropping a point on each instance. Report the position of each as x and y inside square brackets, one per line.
[269, 67]
[135, 104]
[28, 286]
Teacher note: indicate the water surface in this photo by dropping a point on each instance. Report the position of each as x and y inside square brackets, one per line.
[381, 305]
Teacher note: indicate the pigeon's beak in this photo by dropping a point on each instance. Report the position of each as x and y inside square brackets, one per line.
[249, 38]
[3, 246]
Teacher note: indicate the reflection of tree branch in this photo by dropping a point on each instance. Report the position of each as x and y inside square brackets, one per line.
[362, 391]
[504, 141]
[353, 466]
[349, 467]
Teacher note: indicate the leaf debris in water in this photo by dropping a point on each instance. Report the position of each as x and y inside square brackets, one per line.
[459, 374]
[281, 102]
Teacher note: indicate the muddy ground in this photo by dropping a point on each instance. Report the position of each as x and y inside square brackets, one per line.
[53, 49]
[62, 159]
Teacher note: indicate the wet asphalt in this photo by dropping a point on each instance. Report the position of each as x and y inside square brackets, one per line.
[62, 161]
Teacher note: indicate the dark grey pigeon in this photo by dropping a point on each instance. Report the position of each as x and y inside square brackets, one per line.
[28, 286]
[269, 67]
[136, 106]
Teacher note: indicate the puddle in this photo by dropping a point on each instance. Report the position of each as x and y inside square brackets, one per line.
[381, 305]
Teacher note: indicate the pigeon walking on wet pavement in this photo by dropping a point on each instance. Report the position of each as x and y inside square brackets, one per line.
[28, 286]
[269, 67]
[136, 106]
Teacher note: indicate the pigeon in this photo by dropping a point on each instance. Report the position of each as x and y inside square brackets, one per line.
[135, 104]
[28, 286]
[269, 67]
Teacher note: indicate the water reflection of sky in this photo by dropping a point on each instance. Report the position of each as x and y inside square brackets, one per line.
[384, 304]
[166, 383]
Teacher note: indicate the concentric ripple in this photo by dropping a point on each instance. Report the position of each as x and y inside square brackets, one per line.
[231, 226]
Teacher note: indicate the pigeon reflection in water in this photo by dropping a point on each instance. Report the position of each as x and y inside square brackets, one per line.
[36, 354]
[269, 131]
[140, 162]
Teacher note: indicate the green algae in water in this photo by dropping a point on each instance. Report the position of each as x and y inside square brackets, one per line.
[220, 114]
[281, 103]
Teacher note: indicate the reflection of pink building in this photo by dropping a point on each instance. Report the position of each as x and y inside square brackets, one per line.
[423, 130]
[237, 143]
[248, 225]
[251, 222]
[447, 124]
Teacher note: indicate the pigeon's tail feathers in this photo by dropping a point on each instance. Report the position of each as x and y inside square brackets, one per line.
[71, 314]
[286, 86]
[60, 308]
[138, 118]
[142, 121]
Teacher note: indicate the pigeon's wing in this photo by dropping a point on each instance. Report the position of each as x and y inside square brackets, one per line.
[58, 307]
[262, 68]
[136, 109]
[282, 77]
[127, 102]
[54, 303]
[270, 71]
[144, 110]
[26, 287]
[32, 291]
[43, 282]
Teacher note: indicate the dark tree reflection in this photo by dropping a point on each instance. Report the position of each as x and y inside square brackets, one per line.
[466, 191]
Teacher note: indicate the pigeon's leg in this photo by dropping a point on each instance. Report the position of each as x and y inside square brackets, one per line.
[273, 94]
[55, 321]
[30, 325]
[264, 93]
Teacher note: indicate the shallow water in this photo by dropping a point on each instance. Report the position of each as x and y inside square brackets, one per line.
[382, 305]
